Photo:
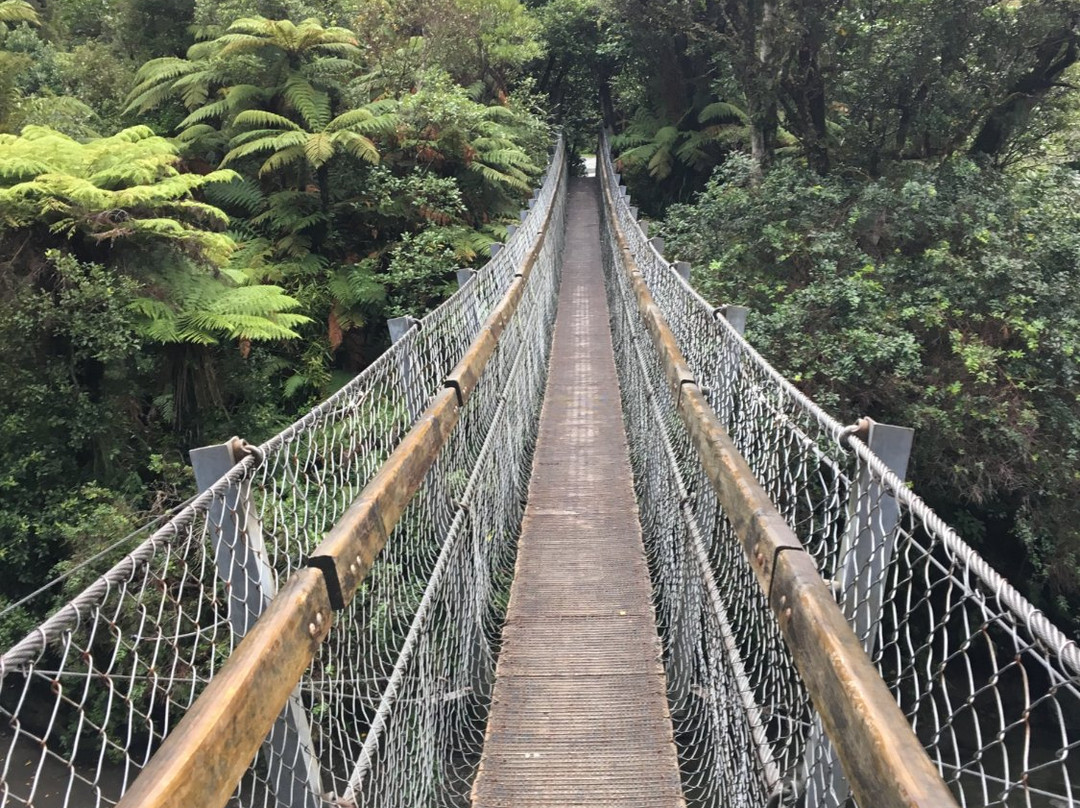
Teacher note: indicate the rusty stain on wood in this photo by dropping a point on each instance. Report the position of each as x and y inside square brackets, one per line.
[883, 760]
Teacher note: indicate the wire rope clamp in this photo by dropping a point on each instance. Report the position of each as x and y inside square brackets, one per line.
[466, 374]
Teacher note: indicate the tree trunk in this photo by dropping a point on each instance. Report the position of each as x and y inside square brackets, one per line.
[763, 126]
[607, 107]
[1052, 58]
[761, 88]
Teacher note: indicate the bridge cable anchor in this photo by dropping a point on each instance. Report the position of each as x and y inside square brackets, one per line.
[860, 429]
[241, 449]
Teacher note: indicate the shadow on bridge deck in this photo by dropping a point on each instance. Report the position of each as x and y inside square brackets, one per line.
[580, 714]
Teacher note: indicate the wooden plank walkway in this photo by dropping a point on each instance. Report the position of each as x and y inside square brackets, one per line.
[580, 715]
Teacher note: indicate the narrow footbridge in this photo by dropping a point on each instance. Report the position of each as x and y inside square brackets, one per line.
[570, 542]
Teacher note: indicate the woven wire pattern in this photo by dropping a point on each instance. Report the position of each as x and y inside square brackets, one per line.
[90, 693]
[990, 686]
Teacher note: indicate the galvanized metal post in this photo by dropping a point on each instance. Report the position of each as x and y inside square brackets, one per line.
[242, 563]
[658, 244]
[729, 394]
[683, 268]
[866, 551]
[464, 277]
[870, 539]
[399, 327]
[495, 248]
[736, 315]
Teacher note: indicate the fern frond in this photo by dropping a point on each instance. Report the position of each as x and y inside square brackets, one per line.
[355, 285]
[722, 111]
[498, 177]
[319, 148]
[312, 105]
[242, 194]
[217, 109]
[265, 119]
[281, 159]
[17, 11]
[357, 145]
[262, 142]
[21, 168]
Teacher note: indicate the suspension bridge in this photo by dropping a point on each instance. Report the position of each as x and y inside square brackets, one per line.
[570, 541]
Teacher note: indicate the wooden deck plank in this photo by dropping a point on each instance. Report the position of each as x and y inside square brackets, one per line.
[580, 714]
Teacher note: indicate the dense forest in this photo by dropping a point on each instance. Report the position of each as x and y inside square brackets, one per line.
[208, 208]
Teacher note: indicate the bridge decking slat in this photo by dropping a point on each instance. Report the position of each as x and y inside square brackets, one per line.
[580, 715]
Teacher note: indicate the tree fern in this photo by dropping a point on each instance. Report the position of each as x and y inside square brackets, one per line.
[17, 11]
[126, 186]
[205, 80]
[312, 105]
[202, 309]
[289, 143]
[723, 112]
[664, 147]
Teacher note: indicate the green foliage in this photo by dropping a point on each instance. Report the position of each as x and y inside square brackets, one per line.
[64, 348]
[940, 297]
[157, 294]
[124, 187]
[481, 44]
[289, 143]
[677, 156]
[488, 148]
[198, 309]
[216, 15]
[17, 11]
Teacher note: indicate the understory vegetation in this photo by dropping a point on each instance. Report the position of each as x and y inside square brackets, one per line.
[208, 209]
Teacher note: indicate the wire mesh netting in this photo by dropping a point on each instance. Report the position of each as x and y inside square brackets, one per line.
[392, 709]
[990, 686]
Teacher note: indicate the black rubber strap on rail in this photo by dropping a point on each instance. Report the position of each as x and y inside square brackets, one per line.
[325, 564]
[453, 385]
[772, 572]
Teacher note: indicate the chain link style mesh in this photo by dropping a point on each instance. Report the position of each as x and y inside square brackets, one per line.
[392, 709]
[990, 686]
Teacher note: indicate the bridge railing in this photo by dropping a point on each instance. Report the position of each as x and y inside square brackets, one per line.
[267, 615]
[990, 686]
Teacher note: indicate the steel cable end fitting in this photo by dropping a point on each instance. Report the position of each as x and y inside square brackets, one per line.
[860, 429]
[241, 449]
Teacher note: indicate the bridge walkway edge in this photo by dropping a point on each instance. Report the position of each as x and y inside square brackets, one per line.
[580, 713]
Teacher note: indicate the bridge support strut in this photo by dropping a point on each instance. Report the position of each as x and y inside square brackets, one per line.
[294, 775]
